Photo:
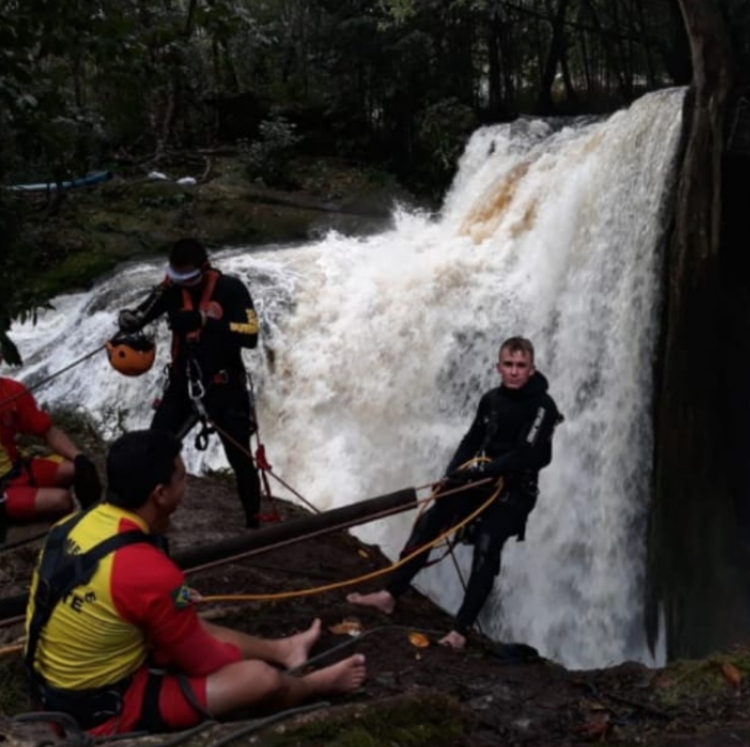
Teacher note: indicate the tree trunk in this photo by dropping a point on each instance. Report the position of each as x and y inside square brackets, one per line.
[544, 104]
[606, 45]
[694, 546]
[495, 97]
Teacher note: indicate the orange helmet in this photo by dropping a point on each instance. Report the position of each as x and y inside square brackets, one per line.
[131, 354]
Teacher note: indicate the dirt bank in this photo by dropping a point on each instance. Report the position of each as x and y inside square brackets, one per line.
[420, 695]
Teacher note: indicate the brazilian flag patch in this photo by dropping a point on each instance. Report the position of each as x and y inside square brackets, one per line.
[181, 597]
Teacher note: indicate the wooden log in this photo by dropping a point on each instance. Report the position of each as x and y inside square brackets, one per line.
[269, 538]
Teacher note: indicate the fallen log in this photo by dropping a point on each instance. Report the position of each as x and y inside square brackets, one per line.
[266, 539]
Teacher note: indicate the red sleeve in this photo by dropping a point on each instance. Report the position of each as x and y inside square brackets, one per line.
[30, 418]
[149, 591]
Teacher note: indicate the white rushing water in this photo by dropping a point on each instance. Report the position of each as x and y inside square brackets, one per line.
[375, 352]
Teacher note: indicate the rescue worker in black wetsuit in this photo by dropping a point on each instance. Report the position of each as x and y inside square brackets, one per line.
[212, 318]
[512, 431]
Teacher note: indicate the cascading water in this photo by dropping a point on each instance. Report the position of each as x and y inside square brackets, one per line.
[375, 351]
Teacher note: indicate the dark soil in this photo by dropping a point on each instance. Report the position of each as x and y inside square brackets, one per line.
[414, 696]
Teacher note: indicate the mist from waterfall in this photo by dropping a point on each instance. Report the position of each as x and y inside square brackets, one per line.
[375, 352]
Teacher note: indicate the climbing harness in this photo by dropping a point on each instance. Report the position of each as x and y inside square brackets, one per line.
[206, 305]
[196, 393]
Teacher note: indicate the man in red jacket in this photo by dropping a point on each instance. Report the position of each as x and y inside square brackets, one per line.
[138, 613]
[39, 487]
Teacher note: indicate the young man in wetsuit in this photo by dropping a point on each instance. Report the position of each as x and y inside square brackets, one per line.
[511, 437]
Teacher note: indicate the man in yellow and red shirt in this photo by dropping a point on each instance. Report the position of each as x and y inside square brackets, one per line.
[92, 645]
[39, 487]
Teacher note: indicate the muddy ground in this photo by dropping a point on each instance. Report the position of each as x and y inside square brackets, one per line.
[413, 695]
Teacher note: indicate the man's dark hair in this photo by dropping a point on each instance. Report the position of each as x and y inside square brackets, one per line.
[188, 253]
[136, 463]
[518, 345]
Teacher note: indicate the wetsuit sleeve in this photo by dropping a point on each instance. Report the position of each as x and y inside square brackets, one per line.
[533, 448]
[238, 324]
[153, 307]
[150, 592]
[31, 418]
[472, 441]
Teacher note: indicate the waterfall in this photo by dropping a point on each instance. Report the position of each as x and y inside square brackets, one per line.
[375, 352]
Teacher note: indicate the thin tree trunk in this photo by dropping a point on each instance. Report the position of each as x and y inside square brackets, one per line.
[189, 18]
[570, 91]
[613, 65]
[544, 103]
[643, 32]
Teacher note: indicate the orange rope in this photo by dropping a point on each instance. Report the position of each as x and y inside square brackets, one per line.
[11, 649]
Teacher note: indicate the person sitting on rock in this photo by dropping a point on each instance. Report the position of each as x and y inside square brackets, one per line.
[39, 488]
[147, 661]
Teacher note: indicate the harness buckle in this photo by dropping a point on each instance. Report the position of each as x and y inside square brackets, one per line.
[196, 390]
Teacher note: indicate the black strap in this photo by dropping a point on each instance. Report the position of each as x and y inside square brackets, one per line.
[59, 573]
[151, 718]
[192, 699]
[4, 480]
[3, 522]
[25, 466]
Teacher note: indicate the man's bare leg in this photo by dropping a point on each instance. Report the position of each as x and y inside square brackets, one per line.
[381, 600]
[52, 502]
[453, 640]
[287, 652]
[65, 474]
[254, 683]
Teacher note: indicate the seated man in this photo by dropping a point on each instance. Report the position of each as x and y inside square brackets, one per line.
[137, 611]
[39, 488]
[510, 437]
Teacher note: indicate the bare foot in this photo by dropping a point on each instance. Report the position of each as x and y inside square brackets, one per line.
[380, 600]
[297, 647]
[453, 640]
[342, 677]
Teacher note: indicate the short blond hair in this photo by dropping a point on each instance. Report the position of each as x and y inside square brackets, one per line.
[518, 345]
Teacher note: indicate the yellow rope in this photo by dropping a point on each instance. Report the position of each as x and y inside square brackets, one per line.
[436, 491]
[358, 579]
[330, 587]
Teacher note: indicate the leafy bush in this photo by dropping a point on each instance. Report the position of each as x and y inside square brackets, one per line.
[267, 159]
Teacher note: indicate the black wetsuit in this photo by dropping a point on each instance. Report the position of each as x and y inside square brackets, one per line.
[513, 428]
[218, 353]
